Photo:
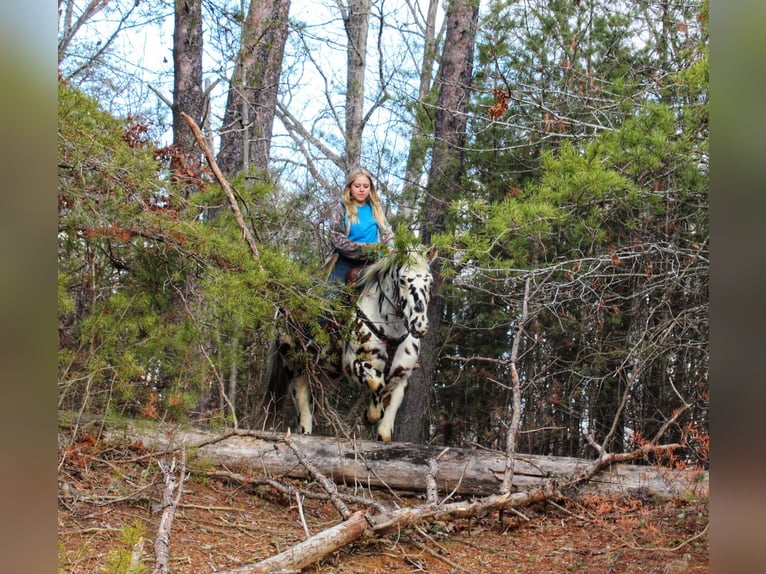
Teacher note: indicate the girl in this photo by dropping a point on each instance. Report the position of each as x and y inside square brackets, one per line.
[359, 227]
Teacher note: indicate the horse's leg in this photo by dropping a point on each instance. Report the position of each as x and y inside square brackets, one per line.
[365, 361]
[375, 407]
[389, 401]
[300, 392]
[393, 395]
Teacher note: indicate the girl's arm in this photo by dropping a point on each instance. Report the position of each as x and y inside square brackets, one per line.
[386, 234]
[340, 241]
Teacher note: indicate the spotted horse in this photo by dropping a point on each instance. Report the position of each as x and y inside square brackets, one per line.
[379, 347]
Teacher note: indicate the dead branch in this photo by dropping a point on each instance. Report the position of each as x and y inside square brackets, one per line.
[291, 491]
[135, 556]
[327, 484]
[310, 550]
[432, 489]
[170, 499]
[224, 184]
[510, 441]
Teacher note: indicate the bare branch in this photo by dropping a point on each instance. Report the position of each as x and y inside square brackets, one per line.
[224, 184]
[170, 499]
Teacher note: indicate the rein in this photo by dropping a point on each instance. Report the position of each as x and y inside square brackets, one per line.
[391, 344]
[377, 331]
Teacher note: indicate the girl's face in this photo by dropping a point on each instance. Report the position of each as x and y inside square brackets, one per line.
[360, 189]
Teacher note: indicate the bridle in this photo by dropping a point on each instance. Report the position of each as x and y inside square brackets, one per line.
[391, 343]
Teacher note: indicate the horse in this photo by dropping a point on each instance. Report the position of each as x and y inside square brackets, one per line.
[376, 351]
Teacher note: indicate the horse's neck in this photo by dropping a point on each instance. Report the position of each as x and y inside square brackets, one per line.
[379, 303]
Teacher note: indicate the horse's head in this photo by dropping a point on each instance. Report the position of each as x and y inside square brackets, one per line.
[414, 285]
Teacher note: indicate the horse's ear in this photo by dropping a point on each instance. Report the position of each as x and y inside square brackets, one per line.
[431, 254]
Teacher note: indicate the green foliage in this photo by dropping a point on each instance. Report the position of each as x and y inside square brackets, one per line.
[610, 225]
[119, 559]
[158, 293]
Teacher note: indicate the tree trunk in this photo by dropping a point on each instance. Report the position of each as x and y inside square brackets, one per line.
[413, 418]
[419, 143]
[187, 78]
[356, 22]
[405, 466]
[454, 84]
[254, 85]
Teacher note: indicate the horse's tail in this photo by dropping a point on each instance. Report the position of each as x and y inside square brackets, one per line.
[277, 375]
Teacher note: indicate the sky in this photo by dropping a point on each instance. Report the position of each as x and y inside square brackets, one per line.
[147, 52]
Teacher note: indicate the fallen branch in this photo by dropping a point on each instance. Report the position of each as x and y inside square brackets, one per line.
[310, 550]
[170, 499]
[327, 484]
[290, 491]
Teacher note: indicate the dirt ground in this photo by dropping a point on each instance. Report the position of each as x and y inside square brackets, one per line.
[108, 513]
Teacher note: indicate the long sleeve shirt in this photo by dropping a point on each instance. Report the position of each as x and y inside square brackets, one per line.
[341, 234]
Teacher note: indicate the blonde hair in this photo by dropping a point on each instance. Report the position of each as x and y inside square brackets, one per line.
[374, 199]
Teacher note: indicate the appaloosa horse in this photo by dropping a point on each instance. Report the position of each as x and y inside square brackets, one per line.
[380, 348]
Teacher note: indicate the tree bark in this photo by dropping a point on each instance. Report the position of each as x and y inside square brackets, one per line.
[454, 85]
[356, 21]
[419, 142]
[405, 466]
[254, 85]
[188, 95]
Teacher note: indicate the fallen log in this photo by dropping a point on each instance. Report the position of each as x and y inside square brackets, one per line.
[406, 466]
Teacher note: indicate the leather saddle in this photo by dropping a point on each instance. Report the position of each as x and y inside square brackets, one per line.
[353, 274]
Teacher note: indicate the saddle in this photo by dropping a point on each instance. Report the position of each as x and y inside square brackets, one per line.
[353, 274]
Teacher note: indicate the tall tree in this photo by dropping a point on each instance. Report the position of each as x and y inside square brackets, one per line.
[187, 79]
[446, 173]
[249, 116]
[356, 19]
[422, 126]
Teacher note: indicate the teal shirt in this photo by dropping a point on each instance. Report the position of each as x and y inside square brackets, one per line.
[366, 230]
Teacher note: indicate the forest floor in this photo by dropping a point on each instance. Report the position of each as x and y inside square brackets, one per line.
[108, 504]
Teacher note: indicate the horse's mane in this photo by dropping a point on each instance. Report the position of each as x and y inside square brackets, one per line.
[381, 266]
[385, 264]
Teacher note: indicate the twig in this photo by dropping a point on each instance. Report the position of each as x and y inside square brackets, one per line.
[288, 490]
[300, 512]
[676, 548]
[326, 483]
[135, 556]
[434, 553]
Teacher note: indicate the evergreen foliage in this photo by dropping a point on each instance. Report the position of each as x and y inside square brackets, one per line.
[158, 295]
[586, 173]
[605, 209]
